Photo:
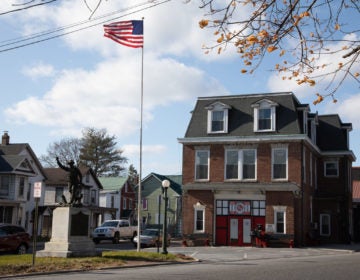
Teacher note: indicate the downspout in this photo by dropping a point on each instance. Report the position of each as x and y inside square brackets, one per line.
[302, 196]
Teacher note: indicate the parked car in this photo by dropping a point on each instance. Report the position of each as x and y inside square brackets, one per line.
[151, 237]
[114, 230]
[13, 238]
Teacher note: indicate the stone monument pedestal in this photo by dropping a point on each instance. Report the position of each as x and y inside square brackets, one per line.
[70, 234]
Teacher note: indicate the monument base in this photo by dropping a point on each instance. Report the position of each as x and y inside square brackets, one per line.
[70, 234]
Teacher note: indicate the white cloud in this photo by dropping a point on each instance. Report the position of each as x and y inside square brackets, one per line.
[39, 70]
[110, 95]
[347, 108]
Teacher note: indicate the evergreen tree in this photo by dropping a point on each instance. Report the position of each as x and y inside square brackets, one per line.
[98, 151]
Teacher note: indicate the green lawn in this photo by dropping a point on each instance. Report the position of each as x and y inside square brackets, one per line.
[22, 264]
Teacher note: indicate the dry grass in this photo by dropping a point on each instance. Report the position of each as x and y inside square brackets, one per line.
[23, 264]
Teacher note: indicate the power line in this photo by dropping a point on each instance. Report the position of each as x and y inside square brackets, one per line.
[13, 44]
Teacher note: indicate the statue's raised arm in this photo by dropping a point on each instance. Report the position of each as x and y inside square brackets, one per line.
[74, 181]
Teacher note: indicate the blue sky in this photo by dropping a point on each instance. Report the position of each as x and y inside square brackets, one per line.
[54, 89]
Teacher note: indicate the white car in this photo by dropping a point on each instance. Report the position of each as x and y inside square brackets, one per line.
[151, 237]
[114, 230]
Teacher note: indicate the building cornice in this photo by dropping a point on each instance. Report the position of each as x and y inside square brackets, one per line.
[265, 138]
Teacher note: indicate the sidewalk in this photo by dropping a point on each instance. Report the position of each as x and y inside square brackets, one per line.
[224, 254]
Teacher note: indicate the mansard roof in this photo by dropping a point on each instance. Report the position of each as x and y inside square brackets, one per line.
[242, 111]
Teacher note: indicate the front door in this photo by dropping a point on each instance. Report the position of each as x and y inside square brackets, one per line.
[240, 231]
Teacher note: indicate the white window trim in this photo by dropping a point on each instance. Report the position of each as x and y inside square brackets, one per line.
[199, 207]
[279, 209]
[337, 168]
[225, 120]
[321, 232]
[216, 107]
[265, 104]
[240, 165]
[272, 163]
[208, 164]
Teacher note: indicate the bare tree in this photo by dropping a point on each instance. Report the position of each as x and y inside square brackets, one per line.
[66, 149]
[309, 40]
[17, 6]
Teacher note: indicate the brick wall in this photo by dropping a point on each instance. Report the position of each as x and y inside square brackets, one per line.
[190, 199]
[217, 158]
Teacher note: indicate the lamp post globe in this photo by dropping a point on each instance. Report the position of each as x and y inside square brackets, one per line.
[165, 184]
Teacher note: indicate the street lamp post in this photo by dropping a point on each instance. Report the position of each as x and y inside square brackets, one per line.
[165, 184]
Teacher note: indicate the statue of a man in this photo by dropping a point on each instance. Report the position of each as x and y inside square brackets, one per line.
[74, 182]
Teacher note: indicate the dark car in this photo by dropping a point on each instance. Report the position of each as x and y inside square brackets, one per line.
[13, 239]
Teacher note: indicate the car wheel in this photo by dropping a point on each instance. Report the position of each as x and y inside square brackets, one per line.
[116, 238]
[96, 241]
[21, 249]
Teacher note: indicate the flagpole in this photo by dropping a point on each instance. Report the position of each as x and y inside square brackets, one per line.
[141, 129]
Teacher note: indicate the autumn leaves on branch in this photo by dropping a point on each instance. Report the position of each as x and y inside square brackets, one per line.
[310, 49]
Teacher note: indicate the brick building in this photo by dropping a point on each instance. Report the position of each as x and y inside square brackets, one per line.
[265, 159]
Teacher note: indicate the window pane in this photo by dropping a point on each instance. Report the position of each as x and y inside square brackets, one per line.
[331, 169]
[279, 171]
[279, 163]
[280, 156]
[249, 164]
[199, 220]
[232, 158]
[201, 165]
[217, 123]
[280, 223]
[264, 119]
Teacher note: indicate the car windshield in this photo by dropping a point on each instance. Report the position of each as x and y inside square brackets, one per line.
[150, 232]
[110, 224]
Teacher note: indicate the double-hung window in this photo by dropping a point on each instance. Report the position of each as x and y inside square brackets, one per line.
[59, 191]
[4, 186]
[331, 169]
[264, 115]
[325, 223]
[199, 218]
[279, 163]
[240, 164]
[217, 118]
[202, 164]
[217, 121]
[280, 221]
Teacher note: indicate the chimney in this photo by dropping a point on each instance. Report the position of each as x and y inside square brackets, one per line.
[5, 139]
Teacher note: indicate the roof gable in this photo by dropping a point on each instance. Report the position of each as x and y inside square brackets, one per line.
[153, 181]
[16, 164]
[113, 183]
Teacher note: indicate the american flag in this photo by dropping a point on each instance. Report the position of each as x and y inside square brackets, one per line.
[128, 33]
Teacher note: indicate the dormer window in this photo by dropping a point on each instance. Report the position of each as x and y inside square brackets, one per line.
[217, 118]
[264, 115]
